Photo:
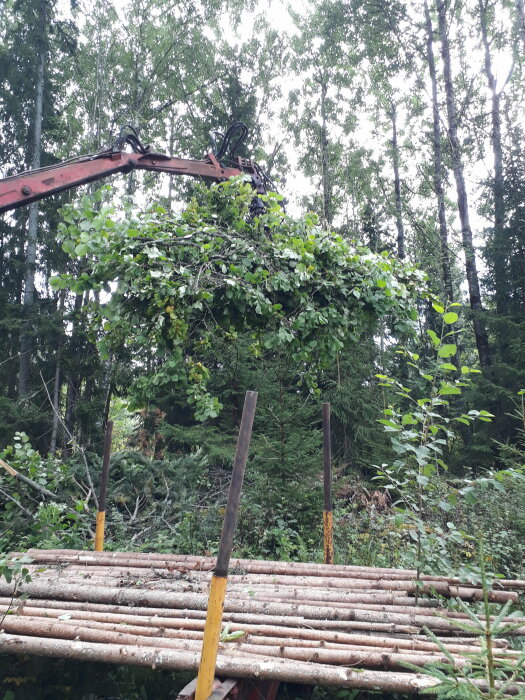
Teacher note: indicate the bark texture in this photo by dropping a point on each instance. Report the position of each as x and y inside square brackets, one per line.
[520, 7]
[325, 160]
[397, 186]
[152, 610]
[499, 243]
[437, 158]
[26, 336]
[480, 331]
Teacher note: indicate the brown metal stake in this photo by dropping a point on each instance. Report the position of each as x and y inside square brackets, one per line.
[212, 627]
[327, 464]
[101, 515]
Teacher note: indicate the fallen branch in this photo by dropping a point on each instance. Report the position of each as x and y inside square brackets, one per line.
[26, 480]
[74, 443]
[17, 503]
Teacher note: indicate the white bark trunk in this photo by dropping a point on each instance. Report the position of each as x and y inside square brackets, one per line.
[26, 340]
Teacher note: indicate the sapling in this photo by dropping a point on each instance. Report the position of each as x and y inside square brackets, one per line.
[485, 676]
[420, 437]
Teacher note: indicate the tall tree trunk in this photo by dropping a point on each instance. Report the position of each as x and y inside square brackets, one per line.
[109, 394]
[520, 6]
[57, 381]
[325, 165]
[437, 157]
[56, 405]
[500, 245]
[73, 378]
[101, 77]
[171, 146]
[480, 332]
[397, 186]
[26, 339]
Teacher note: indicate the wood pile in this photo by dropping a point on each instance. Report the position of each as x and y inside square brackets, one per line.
[345, 626]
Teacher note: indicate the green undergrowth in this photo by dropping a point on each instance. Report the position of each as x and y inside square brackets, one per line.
[176, 504]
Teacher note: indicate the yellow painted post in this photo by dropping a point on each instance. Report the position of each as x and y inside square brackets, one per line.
[212, 634]
[212, 627]
[101, 515]
[327, 469]
[99, 531]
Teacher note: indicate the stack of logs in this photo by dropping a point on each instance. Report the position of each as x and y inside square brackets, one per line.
[345, 626]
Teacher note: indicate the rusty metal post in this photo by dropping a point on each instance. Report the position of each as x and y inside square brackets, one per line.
[212, 627]
[327, 470]
[101, 515]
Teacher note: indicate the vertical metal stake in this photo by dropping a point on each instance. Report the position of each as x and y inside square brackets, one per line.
[101, 515]
[212, 627]
[327, 464]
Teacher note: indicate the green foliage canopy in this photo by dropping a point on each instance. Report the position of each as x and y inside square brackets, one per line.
[178, 283]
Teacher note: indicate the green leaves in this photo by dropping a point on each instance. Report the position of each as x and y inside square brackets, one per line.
[213, 272]
[81, 249]
[389, 425]
[447, 350]
[447, 389]
[450, 317]
[420, 431]
[14, 569]
[227, 636]
[436, 342]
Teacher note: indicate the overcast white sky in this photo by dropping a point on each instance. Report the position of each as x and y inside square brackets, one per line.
[276, 13]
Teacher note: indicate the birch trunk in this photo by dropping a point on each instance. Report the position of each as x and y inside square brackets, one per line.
[325, 166]
[480, 332]
[437, 157]
[26, 339]
[73, 380]
[520, 7]
[397, 186]
[57, 381]
[499, 243]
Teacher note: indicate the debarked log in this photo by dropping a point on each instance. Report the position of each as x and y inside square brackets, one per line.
[199, 602]
[149, 617]
[266, 668]
[65, 624]
[263, 669]
[430, 585]
[105, 633]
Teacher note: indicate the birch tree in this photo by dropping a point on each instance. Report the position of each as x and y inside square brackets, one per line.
[26, 339]
[480, 331]
[437, 158]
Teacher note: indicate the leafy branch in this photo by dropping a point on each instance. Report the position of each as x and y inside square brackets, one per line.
[176, 286]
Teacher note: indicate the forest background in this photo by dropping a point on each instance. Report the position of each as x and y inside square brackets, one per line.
[400, 125]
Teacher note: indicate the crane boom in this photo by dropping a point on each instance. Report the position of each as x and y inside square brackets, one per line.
[32, 185]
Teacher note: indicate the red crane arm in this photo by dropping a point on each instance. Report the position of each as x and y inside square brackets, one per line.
[29, 186]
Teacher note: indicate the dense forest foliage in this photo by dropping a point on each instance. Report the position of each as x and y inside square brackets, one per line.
[386, 275]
